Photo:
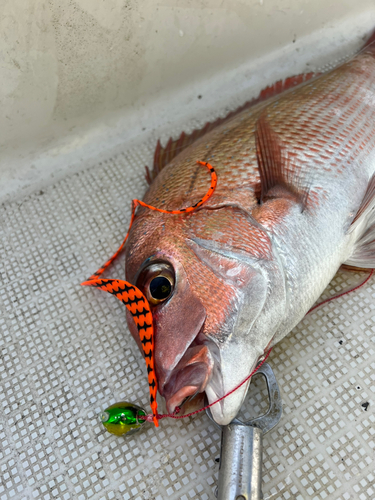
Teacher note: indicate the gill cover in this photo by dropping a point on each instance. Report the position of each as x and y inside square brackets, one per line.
[246, 333]
[238, 257]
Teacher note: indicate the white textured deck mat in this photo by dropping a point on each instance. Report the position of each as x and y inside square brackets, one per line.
[65, 354]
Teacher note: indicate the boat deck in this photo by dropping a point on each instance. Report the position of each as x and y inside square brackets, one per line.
[66, 354]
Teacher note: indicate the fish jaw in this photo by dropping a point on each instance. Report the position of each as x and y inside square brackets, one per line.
[182, 369]
[242, 363]
[238, 355]
[177, 326]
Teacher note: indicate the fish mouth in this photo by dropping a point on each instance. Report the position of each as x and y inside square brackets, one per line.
[190, 376]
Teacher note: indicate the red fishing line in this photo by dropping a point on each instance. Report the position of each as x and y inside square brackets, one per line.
[173, 415]
[341, 294]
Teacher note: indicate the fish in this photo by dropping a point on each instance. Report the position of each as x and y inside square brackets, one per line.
[294, 201]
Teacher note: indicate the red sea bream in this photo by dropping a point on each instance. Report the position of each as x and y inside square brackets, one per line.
[294, 201]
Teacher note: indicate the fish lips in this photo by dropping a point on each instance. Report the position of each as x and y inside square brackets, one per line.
[190, 376]
[193, 371]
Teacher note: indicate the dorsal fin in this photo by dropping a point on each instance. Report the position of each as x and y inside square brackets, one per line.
[276, 167]
[164, 155]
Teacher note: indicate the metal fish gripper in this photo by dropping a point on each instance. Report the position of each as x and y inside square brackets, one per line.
[240, 470]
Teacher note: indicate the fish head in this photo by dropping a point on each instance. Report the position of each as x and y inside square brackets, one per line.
[208, 277]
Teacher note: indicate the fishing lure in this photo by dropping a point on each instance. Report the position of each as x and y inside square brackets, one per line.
[123, 418]
[136, 302]
[138, 306]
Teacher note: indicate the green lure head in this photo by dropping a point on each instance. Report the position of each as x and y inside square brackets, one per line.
[123, 418]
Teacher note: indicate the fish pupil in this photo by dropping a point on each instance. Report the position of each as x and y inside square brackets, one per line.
[160, 288]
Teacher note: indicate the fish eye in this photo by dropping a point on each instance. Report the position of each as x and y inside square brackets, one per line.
[105, 416]
[157, 282]
[160, 288]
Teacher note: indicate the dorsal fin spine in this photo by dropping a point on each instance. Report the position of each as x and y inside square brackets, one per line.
[163, 155]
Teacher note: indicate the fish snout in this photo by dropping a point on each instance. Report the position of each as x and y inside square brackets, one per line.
[178, 352]
[189, 377]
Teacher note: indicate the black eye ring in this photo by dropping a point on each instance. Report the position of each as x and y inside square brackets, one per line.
[160, 288]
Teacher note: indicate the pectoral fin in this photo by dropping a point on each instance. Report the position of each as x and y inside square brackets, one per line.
[280, 175]
[364, 223]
